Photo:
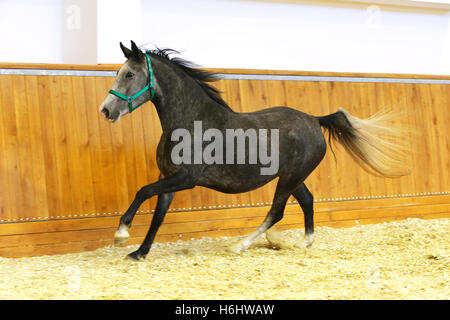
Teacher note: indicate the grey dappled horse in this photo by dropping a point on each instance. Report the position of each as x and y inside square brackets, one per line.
[181, 95]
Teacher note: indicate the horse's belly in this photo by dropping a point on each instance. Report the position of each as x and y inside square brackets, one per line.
[234, 181]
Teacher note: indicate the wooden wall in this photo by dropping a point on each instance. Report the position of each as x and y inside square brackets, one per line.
[66, 174]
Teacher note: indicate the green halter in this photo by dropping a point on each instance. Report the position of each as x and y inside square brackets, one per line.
[140, 92]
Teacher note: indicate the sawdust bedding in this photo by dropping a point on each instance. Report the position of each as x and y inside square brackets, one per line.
[399, 260]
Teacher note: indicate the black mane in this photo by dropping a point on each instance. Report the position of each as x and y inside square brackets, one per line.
[202, 77]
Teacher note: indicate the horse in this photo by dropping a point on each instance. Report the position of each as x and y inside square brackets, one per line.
[182, 95]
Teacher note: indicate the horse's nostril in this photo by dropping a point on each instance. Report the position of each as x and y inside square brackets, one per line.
[105, 112]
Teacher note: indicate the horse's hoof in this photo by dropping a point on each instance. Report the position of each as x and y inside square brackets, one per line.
[121, 236]
[236, 248]
[119, 242]
[136, 256]
[309, 240]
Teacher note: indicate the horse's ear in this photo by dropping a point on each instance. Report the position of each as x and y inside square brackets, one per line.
[134, 47]
[127, 52]
[136, 51]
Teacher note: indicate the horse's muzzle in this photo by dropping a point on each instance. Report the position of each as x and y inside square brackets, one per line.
[105, 112]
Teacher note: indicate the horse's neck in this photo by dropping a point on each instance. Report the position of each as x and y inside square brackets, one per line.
[180, 100]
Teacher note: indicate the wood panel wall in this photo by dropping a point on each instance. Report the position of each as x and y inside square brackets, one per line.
[66, 174]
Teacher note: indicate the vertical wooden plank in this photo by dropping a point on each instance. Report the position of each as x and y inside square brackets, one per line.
[5, 189]
[82, 137]
[73, 185]
[441, 108]
[56, 112]
[95, 147]
[430, 116]
[40, 208]
[12, 152]
[423, 161]
[48, 145]
[423, 111]
[25, 157]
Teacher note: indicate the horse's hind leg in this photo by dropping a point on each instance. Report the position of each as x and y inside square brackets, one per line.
[306, 201]
[275, 214]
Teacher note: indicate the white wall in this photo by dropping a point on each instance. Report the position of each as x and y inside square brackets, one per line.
[118, 20]
[301, 36]
[79, 32]
[291, 35]
[30, 31]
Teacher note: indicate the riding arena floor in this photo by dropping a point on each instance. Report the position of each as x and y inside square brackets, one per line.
[409, 259]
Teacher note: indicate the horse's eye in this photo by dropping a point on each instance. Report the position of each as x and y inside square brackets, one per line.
[129, 74]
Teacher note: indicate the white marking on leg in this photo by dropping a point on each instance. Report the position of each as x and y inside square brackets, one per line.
[309, 238]
[121, 236]
[246, 243]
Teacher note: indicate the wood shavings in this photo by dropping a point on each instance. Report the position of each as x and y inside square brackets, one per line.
[409, 259]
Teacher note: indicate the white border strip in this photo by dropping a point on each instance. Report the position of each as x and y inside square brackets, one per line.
[55, 72]
[227, 76]
[328, 78]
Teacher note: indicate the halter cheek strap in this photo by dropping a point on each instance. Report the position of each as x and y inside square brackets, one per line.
[149, 86]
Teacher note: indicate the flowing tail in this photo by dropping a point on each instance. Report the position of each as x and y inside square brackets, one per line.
[373, 143]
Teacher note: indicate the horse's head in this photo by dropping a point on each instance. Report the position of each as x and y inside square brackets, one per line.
[132, 87]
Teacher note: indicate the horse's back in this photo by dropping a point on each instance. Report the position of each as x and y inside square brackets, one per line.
[301, 147]
[282, 117]
[296, 128]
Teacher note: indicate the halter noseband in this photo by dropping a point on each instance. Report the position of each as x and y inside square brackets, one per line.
[140, 92]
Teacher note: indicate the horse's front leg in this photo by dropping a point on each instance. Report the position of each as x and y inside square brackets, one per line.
[164, 201]
[176, 182]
